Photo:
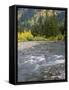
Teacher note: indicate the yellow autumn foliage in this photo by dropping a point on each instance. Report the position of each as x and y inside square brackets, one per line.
[25, 36]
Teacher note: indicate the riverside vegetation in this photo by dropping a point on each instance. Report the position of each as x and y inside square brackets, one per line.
[28, 36]
[42, 27]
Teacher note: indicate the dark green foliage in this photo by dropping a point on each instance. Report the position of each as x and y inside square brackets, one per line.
[61, 28]
[48, 26]
[37, 29]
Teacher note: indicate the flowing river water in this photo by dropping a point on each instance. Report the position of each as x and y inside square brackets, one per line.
[41, 60]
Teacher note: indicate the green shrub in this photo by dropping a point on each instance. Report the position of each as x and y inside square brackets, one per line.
[39, 38]
[60, 37]
[51, 38]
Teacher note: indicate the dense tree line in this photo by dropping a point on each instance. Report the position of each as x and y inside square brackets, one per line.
[47, 26]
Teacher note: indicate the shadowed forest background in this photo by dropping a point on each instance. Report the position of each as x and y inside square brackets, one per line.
[40, 24]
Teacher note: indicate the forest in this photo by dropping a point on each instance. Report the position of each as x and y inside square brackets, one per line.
[41, 25]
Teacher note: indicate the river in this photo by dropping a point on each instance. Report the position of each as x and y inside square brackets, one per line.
[41, 60]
